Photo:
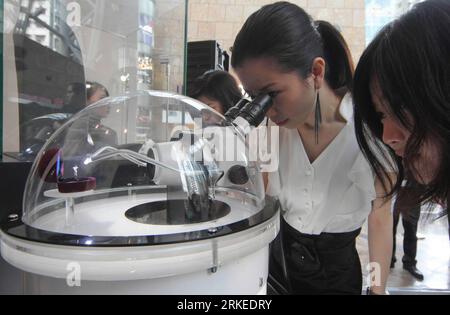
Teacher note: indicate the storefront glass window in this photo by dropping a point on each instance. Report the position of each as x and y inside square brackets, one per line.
[55, 50]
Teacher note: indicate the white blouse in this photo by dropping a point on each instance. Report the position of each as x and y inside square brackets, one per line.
[335, 192]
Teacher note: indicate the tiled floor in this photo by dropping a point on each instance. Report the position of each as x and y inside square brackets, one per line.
[433, 256]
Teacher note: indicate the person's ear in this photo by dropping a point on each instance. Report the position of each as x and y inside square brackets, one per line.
[318, 72]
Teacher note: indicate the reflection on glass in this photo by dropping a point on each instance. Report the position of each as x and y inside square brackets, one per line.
[55, 48]
[45, 23]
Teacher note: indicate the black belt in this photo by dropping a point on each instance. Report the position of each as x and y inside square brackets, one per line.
[314, 264]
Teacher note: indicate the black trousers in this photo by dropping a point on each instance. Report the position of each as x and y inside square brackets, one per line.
[314, 264]
[409, 238]
[410, 219]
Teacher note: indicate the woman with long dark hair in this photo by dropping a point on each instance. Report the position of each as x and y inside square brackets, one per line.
[324, 184]
[402, 101]
[217, 89]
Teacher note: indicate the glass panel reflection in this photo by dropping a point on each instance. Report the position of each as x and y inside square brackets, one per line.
[56, 50]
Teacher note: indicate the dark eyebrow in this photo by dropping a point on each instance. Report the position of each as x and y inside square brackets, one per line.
[264, 89]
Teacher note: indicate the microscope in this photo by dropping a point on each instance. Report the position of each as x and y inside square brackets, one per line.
[161, 210]
[193, 163]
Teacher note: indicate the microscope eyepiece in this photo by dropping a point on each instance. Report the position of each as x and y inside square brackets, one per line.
[255, 111]
[234, 111]
[250, 113]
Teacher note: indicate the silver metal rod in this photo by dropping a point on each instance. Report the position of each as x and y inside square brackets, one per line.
[132, 156]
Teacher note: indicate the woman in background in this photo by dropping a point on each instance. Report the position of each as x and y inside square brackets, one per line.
[95, 92]
[217, 89]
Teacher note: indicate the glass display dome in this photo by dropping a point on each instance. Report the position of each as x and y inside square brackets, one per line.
[147, 168]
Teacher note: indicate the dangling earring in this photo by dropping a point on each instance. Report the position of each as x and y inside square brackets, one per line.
[318, 118]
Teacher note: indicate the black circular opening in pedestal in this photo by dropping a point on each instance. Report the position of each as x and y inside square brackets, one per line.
[176, 212]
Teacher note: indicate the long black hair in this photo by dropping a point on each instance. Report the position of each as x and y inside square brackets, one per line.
[410, 61]
[285, 32]
[217, 85]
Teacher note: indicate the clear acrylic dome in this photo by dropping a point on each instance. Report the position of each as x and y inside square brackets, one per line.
[151, 167]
